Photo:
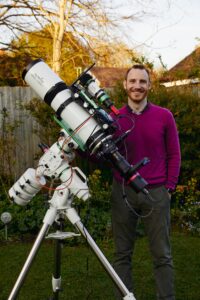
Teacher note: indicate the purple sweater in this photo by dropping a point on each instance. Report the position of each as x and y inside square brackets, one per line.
[155, 136]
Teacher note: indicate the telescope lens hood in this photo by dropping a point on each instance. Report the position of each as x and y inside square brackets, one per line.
[29, 66]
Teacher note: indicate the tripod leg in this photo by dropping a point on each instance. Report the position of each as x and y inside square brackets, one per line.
[56, 278]
[75, 220]
[48, 220]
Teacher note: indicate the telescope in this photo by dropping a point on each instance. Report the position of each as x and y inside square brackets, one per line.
[55, 163]
[85, 126]
[90, 128]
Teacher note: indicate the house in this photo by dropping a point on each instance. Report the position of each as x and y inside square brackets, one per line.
[108, 76]
[185, 74]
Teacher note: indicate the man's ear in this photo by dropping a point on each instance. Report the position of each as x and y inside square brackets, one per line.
[124, 84]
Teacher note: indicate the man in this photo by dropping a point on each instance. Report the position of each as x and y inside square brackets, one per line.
[153, 135]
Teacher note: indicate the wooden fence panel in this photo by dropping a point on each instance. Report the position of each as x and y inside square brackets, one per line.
[23, 145]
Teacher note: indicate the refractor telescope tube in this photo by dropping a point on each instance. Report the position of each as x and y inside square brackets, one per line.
[58, 95]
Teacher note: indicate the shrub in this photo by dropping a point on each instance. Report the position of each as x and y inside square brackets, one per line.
[25, 220]
[186, 208]
[96, 212]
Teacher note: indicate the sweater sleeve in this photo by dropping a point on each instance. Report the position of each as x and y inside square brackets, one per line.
[173, 153]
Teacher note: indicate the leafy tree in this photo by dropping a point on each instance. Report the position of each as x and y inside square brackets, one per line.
[75, 56]
[112, 54]
[11, 69]
[38, 44]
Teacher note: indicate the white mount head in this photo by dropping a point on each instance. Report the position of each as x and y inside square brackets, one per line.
[54, 163]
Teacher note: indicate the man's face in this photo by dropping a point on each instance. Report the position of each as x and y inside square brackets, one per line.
[137, 85]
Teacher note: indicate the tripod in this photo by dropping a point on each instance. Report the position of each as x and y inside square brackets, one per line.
[61, 204]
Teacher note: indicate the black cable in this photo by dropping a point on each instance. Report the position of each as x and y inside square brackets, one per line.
[127, 117]
[132, 209]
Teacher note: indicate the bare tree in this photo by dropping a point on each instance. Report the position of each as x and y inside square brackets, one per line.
[89, 21]
[15, 17]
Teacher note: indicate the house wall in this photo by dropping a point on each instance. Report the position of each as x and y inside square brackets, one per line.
[194, 88]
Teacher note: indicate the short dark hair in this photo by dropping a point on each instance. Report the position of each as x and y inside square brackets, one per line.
[140, 67]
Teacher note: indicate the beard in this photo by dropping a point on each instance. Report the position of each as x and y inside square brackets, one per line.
[137, 95]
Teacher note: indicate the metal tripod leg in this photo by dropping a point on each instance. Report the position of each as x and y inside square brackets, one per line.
[75, 220]
[56, 277]
[48, 221]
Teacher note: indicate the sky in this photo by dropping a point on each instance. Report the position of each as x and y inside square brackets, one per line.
[170, 29]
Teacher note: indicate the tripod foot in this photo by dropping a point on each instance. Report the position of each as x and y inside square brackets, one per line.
[56, 284]
[129, 297]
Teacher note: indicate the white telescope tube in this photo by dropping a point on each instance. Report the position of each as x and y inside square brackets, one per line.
[58, 95]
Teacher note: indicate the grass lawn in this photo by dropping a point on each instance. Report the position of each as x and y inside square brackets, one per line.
[83, 277]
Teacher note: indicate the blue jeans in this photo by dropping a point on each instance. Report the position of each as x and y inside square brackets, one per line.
[157, 227]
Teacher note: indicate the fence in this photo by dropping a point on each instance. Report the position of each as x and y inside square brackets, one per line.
[18, 142]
